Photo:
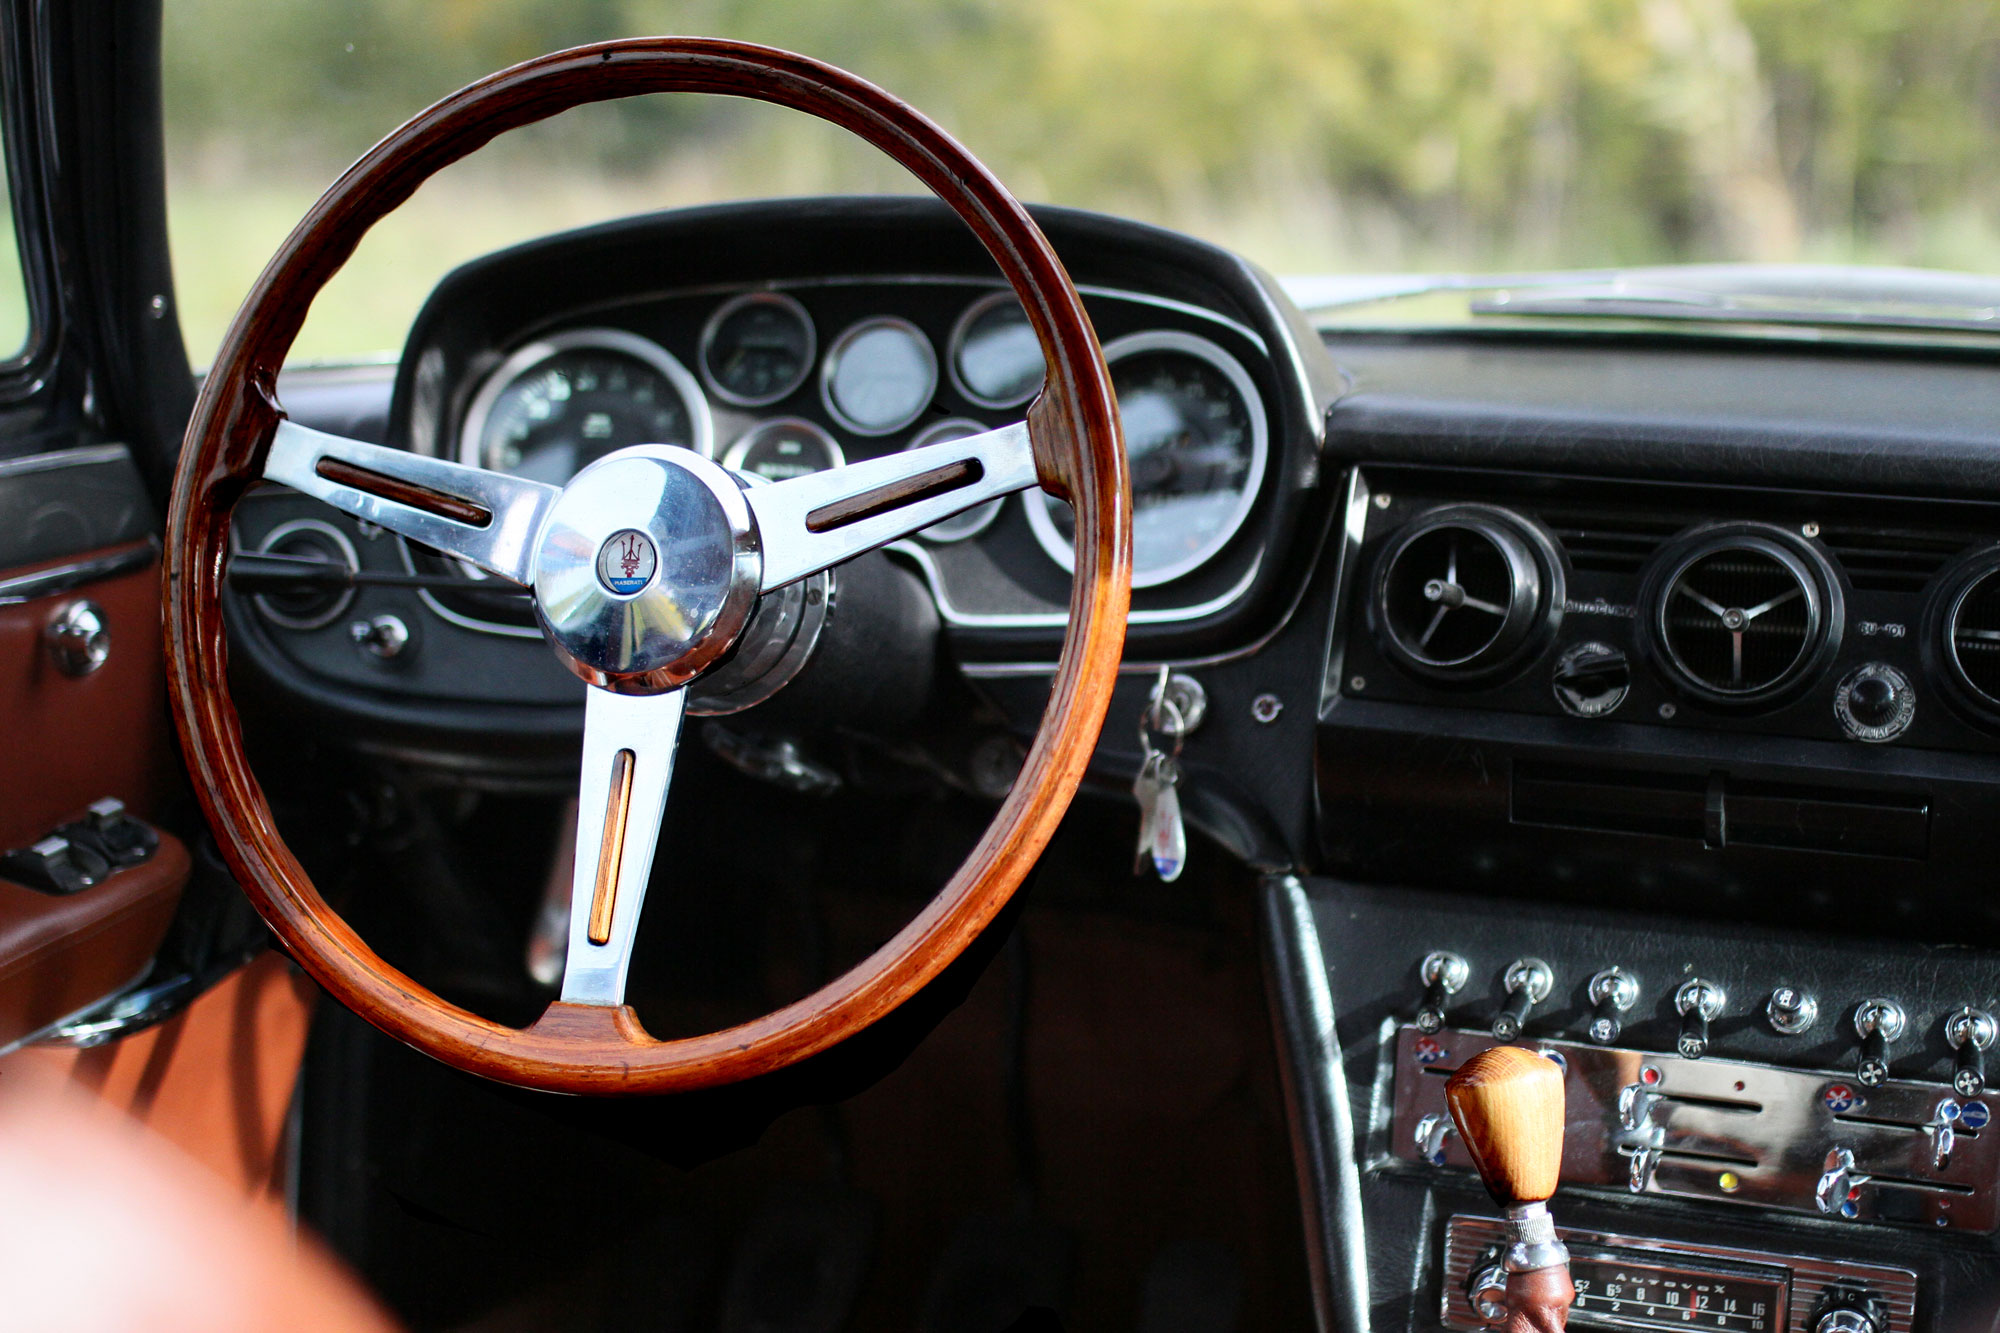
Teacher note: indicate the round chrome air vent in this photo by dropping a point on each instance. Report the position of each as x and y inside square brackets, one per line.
[1964, 633]
[1466, 592]
[1741, 614]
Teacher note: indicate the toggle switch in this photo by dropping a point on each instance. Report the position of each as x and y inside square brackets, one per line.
[1699, 1003]
[1444, 974]
[1838, 1192]
[1528, 982]
[1612, 991]
[1877, 1022]
[1431, 1133]
[1943, 1132]
[1970, 1032]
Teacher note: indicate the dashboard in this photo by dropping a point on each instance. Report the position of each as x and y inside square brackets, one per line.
[1636, 698]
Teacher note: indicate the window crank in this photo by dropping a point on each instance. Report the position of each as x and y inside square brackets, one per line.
[1970, 1032]
[1877, 1022]
[1528, 982]
[1444, 975]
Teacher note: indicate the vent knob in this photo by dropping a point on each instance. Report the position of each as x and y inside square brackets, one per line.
[1465, 593]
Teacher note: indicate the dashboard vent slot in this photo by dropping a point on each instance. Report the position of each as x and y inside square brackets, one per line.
[1738, 619]
[1889, 561]
[1973, 634]
[1608, 543]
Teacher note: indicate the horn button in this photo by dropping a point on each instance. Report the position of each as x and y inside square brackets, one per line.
[647, 569]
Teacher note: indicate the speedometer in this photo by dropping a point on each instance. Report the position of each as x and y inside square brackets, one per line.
[561, 403]
[1196, 438]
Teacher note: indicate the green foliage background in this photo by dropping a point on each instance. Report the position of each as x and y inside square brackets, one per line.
[1315, 135]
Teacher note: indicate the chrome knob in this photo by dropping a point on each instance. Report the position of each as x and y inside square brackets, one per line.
[1850, 1312]
[1836, 1195]
[78, 639]
[1877, 1022]
[1486, 1292]
[1943, 1132]
[1613, 991]
[1970, 1032]
[1431, 1133]
[387, 637]
[1699, 1003]
[1791, 1011]
[1635, 1107]
[1528, 982]
[1444, 975]
[1642, 1159]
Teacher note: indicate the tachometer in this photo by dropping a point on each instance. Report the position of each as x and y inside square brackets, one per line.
[561, 403]
[879, 375]
[757, 348]
[1196, 437]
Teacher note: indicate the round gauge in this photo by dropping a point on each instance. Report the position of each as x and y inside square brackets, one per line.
[783, 448]
[995, 358]
[757, 348]
[879, 375]
[561, 403]
[974, 520]
[1196, 438]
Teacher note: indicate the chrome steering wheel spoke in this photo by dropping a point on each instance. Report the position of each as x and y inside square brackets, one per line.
[487, 518]
[628, 764]
[817, 521]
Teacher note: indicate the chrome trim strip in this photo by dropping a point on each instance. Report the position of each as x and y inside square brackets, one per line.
[79, 573]
[1057, 619]
[1041, 520]
[1354, 527]
[58, 459]
[1316, 1104]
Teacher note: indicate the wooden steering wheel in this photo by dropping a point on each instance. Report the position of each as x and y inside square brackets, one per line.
[645, 569]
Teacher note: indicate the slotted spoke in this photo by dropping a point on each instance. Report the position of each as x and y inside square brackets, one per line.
[628, 763]
[487, 518]
[816, 521]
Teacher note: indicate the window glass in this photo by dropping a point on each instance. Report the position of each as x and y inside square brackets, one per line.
[14, 315]
[1315, 136]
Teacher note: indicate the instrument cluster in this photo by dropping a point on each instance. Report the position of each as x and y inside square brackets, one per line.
[777, 383]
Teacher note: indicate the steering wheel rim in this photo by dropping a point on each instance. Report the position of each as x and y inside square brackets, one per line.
[1078, 455]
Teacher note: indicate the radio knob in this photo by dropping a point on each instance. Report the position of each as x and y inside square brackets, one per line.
[1443, 974]
[1877, 1022]
[1613, 991]
[1970, 1031]
[1528, 982]
[1850, 1312]
[1700, 1003]
[1592, 679]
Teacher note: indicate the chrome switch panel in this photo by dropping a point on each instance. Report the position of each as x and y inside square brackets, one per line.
[1734, 1132]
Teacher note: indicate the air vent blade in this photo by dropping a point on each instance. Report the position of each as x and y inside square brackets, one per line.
[1889, 561]
[1740, 614]
[1608, 542]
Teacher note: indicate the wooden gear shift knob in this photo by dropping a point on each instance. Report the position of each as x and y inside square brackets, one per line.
[1508, 1105]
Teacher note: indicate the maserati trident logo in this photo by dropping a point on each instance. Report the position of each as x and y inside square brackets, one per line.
[626, 561]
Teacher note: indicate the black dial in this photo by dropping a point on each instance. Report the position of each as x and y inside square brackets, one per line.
[556, 407]
[757, 348]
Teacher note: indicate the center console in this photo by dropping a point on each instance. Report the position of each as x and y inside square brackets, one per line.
[1768, 1131]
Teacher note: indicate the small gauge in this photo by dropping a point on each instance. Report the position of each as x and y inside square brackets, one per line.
[973, 521]
[1196, 438]
[783, 448]
[757, 348]
[879, 375]
[995, 358]
[561, 403]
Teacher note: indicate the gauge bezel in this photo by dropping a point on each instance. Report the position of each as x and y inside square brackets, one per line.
[831, 367]
[956, 345]
[1039, 504]
[985, 511]
[732, 458]
[319, 528]
[783, 301]
[526, 357]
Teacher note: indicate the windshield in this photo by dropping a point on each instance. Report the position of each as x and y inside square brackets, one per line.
[1321, 137]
